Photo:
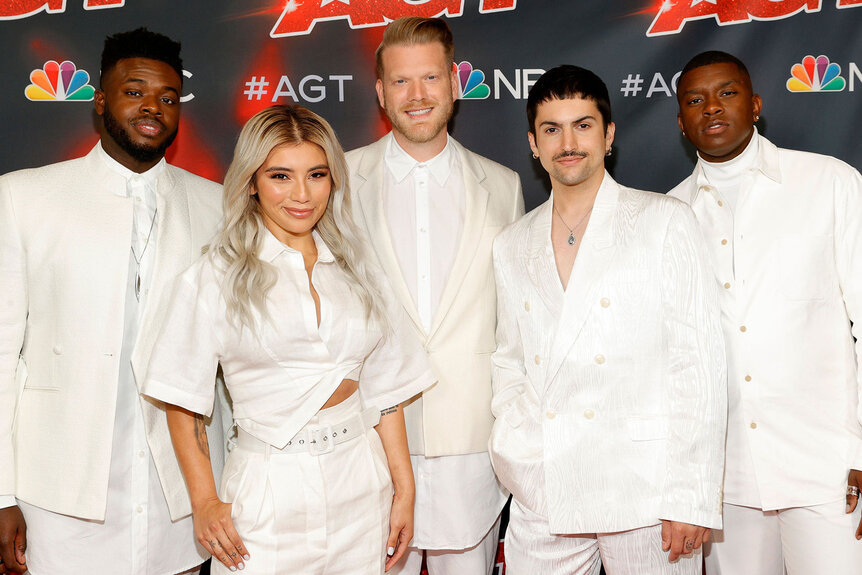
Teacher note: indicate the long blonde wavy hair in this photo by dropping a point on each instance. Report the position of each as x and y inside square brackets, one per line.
[248, 279]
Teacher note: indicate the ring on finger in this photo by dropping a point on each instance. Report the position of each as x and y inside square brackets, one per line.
[852, 491]
[689, 544]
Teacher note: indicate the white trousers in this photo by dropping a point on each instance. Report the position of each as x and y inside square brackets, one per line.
[531, 549]
[805, 540]
[299, 513]
[477, 560]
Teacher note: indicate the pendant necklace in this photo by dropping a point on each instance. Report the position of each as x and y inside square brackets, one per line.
[139, 259]
[572, 238]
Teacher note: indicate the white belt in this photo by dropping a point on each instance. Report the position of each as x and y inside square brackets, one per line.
[315, 439]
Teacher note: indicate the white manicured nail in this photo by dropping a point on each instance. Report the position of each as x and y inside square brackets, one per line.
[390, 551]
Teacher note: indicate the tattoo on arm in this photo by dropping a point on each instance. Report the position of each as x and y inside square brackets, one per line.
[389, 411]
[201, 435]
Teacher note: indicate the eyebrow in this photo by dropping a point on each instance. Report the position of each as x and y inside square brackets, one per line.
[722, 85]
[579, 120]
[283, 169]
[142, 81]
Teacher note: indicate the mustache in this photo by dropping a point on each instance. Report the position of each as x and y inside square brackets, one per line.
[569, 154]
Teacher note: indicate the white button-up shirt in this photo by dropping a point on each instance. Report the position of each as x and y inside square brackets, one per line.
[137, 536]
[280, 377]
[458, 497]
[788, 261]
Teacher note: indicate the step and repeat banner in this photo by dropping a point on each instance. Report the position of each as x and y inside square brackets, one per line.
[243, 55]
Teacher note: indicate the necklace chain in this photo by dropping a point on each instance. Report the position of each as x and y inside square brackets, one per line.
[571, 229]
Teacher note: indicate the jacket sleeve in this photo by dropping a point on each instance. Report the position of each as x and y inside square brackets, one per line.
[13, 319]
[696, 389]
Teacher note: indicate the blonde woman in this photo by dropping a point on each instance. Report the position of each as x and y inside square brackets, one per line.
[285, 303]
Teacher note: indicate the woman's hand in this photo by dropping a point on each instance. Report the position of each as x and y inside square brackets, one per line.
[215, 531]
[400, 528]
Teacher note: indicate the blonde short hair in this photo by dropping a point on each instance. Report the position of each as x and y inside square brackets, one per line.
[415, 30]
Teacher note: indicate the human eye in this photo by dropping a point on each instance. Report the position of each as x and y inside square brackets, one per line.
[584, 126]
[134, 93]
[728, 93]
[279, 176]
[694, 101]
[319, 174]
[551, 130]
[168, 100]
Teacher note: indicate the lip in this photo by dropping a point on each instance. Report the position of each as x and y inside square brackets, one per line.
[299, 213]
[570, 160]
[715, 127]
[148, 127]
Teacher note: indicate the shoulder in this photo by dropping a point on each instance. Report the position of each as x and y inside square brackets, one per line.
[374, 150]
[515, 235]
[195, 184]
[489, 167]
[799, 163]
[682, 191]
[52, 174]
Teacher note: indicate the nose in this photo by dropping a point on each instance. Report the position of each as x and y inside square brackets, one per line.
[713, 106]
[151, 104]
[568, 139]
[416, 91]
[301, 192]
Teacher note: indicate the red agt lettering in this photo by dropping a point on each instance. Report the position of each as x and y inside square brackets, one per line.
[14, 9]
[298, 18]
[673, 14]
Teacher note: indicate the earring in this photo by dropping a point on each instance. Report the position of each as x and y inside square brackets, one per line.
[757, 118]
[683, 134]
[609, 152]
[535, 157]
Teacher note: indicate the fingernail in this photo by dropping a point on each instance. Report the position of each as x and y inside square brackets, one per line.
[246, 557]
[242, 565]
[232, 568]
[390, 551]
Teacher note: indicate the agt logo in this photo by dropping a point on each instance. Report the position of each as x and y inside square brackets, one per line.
[674, 14]
[59, 83]
[14, 9]
[300, 16]
[472, 86]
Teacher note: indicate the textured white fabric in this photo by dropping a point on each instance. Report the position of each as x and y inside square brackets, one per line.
[530, 549]
[456, 416]
[610, 396]
[312, 514]
[788, 264]
[727, 176]
[279, 380]
[810, 540]
[65, 277]
[477, 560]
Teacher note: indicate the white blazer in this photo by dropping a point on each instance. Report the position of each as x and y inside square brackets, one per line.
[610, 397]
[456, 411]
[64, 253]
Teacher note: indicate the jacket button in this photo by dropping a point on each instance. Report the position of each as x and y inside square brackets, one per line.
[550, 414]
[58, 350]
[526, 306]
[599, 359]
[605, 302]
[537, 359]
[589, 413]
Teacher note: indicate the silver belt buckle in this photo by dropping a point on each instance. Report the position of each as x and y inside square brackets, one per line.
[320, 440]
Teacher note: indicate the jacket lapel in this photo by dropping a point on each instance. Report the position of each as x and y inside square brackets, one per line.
[594, 257]
[539, 260]
[476, 205]
[368, 192]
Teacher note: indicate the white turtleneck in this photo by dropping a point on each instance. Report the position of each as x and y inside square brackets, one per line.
[726, 176]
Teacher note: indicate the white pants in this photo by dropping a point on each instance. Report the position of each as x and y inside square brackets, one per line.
[477, 560]
[805, 540]
[531, 549]
[299, 513]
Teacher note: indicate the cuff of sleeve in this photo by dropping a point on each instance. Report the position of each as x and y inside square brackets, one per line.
[7, 501]
[170, 394]
[692, 515]
[402, 394]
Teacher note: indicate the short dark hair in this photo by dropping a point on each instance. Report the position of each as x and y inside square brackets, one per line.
[564, 83]
[714, 57]
[141, 43]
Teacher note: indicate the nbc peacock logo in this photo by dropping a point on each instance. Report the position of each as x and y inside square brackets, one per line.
[816, 75]
[472, 83]
[59, 83]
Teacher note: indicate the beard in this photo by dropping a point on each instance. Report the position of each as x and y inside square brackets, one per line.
[140, 152]
[423, 133]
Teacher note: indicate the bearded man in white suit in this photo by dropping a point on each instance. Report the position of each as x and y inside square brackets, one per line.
[89, 249]
[431, 210]
[609, 375]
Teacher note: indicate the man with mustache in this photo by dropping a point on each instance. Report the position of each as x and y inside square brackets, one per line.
[89, 249]
[431, 209]
[609, 374]
[784, 231]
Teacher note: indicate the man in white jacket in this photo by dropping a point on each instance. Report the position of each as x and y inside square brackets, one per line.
[609, 374]
[89, 249]
[784, 232]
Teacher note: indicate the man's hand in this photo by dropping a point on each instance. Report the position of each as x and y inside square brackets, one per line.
[13, 540]
[854, 480]
[681, 538]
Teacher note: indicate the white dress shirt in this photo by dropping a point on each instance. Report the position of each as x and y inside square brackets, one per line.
[458, 498]
[137, 536]
[788, 262]
[280, 377]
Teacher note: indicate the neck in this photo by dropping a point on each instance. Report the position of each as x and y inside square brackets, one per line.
[124, 159]
[578, 198]
[422, 151]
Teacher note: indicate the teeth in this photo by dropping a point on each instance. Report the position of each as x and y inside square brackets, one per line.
[419, 112]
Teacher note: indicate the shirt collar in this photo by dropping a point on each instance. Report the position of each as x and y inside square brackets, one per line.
[271, 248]
[149, 177]
[400, 163]
[767, 163]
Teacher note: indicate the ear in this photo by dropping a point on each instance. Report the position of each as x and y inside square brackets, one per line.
[610, 131]
[756, 105]
[99, 102]
[679, 123]
[531, 137]
[453, 78]
[379, 87]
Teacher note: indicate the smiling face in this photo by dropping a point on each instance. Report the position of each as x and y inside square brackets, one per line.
[139, 102]
[717, 110]
[571, 143]
[417, 90]
[293, 187]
